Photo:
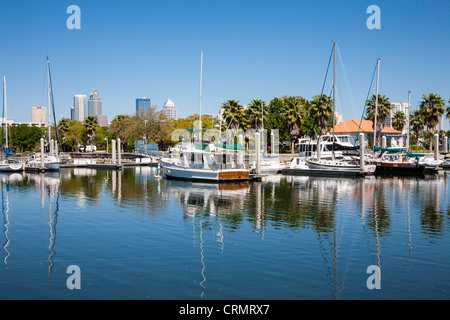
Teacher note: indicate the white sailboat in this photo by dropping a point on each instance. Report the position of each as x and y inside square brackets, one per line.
[335, 164]
[52, 161]
[199, 161]
[7, 165]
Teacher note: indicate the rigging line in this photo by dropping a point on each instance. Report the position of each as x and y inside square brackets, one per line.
[347, 82]
[326, 74]
[365, 102]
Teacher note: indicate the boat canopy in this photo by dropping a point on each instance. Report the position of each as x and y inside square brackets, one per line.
[236, 146]
[417, 156]
[390, 150]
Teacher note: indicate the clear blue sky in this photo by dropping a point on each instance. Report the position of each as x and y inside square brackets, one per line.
[253, 50]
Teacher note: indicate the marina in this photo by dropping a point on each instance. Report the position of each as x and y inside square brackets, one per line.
[303, 237]
[222, 156]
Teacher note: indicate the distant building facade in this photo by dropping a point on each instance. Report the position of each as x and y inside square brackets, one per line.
[170, 110]
[102, 120]
[142, 104]
[39, 115]
[94, 104]
[80, 107]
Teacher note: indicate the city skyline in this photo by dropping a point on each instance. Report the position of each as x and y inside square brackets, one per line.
[252, 50]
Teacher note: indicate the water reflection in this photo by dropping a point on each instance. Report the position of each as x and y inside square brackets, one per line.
[337, 217]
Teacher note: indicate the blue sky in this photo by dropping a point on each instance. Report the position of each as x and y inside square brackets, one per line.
[252, 50]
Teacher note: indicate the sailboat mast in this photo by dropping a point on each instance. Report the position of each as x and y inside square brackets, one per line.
[376, 106]
[201, 84]
[408, 111]
[6, 113]
[48, 109]
[334, 97]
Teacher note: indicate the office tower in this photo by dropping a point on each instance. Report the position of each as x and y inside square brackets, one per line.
[142, 104]
[170, 110]
[39, 115]
[94, 104]
[72, 113]
[79, 103]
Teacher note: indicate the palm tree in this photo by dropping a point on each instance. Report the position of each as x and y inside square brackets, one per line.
[321, 110]
[383, 112]
[255, 114]
[294, 112]
[417, 123]
[432, 108]
[399, 121]
[232, 114]
[91, 125]
[448, 111]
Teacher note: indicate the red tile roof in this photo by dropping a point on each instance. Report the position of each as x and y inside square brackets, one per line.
[352, 126]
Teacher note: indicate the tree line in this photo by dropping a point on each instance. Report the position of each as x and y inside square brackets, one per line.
[294, 116]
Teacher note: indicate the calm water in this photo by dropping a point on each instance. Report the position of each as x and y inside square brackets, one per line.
[284, 238]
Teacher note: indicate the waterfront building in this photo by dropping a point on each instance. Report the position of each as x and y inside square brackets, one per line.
[397, 107]
[353, 128]
[94, 104]
[39, 115]
[170, 110]
[142, 104]
[79, 103]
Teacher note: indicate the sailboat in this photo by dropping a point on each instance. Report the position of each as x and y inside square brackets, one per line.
[52, 161]
[336, 164]
[200, 161]
[7, 165]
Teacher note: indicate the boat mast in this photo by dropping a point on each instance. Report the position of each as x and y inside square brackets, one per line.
[48, 108]
[201, 83]
[376, 107]
[334, 97]
[5, 109]
[408, 120]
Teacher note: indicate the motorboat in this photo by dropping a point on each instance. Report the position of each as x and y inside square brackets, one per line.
[207, 162]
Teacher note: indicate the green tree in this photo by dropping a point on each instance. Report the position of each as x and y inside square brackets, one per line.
[417, 124]
[432, 108]
[91, 125]
[399, 121]
[232, 114]
[321, 110]
[294, 114]
[24, 138]
[383, 112]
[255, 115]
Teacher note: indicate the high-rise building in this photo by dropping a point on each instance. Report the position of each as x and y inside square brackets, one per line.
[94, 104]
[39, 115]
[170, 110]
[72, 113]
[79, 104]
[142, 104]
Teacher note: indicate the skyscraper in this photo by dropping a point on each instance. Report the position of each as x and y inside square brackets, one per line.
[170, 110]
[142, 104]
[94, 104]
[79, 103]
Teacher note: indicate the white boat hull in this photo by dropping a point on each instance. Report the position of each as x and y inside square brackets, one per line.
[175, 171]
[11, 167]
[338, 166]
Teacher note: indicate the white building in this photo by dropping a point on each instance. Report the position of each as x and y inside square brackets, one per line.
[398, 107]
[39, 115]
[80, 107]
[170, 110]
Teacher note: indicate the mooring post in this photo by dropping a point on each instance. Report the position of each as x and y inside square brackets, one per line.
[362, 156]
